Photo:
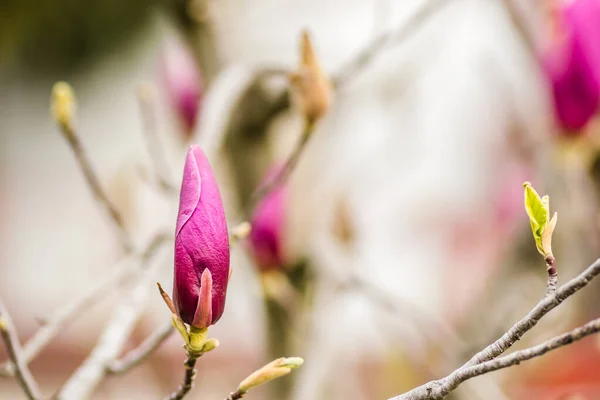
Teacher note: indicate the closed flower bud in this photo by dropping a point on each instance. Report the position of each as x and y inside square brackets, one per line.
[62, 105]
[183, 82]
[572, 61]
[201, 245]
[311, 87]
[268, 226]
[273, 370]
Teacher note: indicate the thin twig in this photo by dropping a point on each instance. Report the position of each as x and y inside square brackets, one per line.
[522, 355]
[282, 102]
[286, 170]
[64, 317]
[237, 395]
[352, 68]
[188, 380]
[552, 275]
[428, 390]
[397, 35]
[540, 310]
[114, 337]
[70, 134]
[520, 25]
[348, 71]
[140, 353]
[71, 311]
[15, 354]
[429, 323]
[146, 98]
[443, 387]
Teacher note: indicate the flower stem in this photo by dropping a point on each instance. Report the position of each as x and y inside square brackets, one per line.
[278, 336]
[188, 379]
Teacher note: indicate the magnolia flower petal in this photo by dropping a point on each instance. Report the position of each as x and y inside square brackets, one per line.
[186, 284]
[203, 315]
[191, 186]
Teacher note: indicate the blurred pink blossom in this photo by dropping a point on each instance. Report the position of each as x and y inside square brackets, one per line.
[572, 61]
[268, 225]
[182, 79]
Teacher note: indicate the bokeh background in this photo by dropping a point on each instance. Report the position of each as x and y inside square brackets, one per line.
[412, 184]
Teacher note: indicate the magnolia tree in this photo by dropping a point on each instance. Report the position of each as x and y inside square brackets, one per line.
[203, 238]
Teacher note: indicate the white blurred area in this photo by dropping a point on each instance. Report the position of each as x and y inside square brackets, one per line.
[417, 147]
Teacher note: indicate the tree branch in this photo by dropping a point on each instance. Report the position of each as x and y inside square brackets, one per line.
[352, 68]
[147, 102]
[15, 354]
[89, 375]
[63, 317]
[519, 356]
[432, 389]
[70, 134]
[140, 353]
[428, 323]
[282, 176]
[552, 276]
[540, 310]
[188, 379]
[400, 34]
[443, 387]
[237, 395]
[67, 314]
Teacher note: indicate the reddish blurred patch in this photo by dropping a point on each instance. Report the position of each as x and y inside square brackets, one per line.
[571, 373]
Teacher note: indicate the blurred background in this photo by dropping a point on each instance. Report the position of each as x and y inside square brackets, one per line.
[398, 247]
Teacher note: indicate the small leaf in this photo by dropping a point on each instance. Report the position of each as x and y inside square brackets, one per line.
[181, 328]
[537, 209]
[547, 235]
[210, 345]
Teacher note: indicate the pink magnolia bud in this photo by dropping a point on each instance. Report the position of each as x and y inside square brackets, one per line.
[183, 82]
[266, 236]
[572, 61]
[201, 245]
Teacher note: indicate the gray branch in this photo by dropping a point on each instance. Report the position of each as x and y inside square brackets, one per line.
[71, 311]
[88, 376]
[435, 389]
[523, 355]
[91, 178]
[15, 354]
[140, 353]
[397, 35]
[443, 387]
[63, 317]
[539, 311]
[156, 150]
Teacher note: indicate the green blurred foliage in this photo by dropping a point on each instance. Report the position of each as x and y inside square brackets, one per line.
[48, 36]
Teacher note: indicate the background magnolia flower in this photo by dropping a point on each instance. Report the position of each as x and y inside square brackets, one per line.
[572, 62]
[183, 82]
[201, 245]
[268, 226]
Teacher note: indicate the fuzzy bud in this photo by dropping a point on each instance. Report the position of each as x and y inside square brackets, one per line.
[311, 88]
[63, 104]
[273, 370]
